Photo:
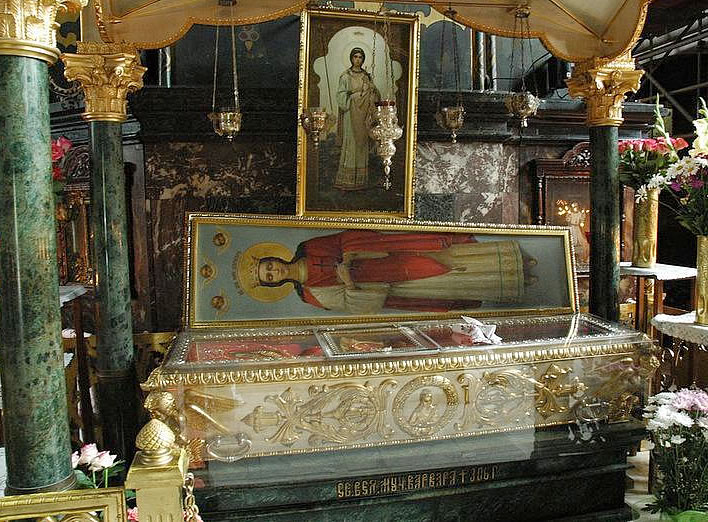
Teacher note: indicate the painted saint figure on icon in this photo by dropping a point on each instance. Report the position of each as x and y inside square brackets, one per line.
[365, 271]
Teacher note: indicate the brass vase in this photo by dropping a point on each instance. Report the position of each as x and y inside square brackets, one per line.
[646, 223]
[702, 281]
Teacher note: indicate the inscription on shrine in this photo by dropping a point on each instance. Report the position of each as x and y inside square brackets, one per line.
[406, 482]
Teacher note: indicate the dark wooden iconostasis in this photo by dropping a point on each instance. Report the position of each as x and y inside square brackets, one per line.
[562, 197]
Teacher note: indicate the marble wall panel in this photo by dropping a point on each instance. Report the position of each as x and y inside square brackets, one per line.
[481, 176]
[219, 169]
[206, 177]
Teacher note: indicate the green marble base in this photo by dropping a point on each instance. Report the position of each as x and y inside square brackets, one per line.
[516, 476]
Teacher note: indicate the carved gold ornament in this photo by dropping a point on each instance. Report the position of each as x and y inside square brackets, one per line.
[603, 85]
[67, 506]
[515, 396]
[429, 414]
[107, 73]
[340, 414]
[28, 27]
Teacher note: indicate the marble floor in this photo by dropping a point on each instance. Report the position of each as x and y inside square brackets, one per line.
[636, 497]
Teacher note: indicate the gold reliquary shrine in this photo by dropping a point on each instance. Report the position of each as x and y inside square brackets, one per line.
[310, 335]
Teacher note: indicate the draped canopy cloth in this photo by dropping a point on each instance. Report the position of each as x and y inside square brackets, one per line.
[574, 30]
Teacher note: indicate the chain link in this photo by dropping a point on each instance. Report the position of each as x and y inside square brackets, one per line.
[191, 511]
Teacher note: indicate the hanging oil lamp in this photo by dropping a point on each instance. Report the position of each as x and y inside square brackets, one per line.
[227, 120]
[450, 118]
[385, 129]
[314, 120]
[523, 104]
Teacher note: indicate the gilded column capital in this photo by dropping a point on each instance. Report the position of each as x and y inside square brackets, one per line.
[107, 73]
[603, 84]
[28, 27]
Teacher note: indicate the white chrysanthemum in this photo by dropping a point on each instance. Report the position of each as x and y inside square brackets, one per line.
[658, 424]
[678, 439]
[702, 422]
[662, 398]
[667, 416]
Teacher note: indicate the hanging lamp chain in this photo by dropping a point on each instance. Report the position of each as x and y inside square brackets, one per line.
[233, 61]
[216, 68]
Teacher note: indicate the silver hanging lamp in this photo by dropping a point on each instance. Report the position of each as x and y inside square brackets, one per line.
[227, 120]
[385, 130]
[450, 118]
[522, 104]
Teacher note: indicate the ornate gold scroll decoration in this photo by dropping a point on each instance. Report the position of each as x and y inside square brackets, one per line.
[425, 419]
[199, 410]
[619, 384]
[603, 84]
[161, 379]
[341, 414]
[107, 73]
[28, 27]
[513, 395]
[74, 506]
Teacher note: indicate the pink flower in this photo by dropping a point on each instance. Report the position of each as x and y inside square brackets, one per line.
[662, 146]
[133, 514]
[64, 143]
[691, 400]
[57, 153]
[679, 143]
[650, 144]
[88, 453]
[637, 145]
[75, 459]
[676, 186]
[623, 146]
[103, 460]
[60, 147]
[696, 183]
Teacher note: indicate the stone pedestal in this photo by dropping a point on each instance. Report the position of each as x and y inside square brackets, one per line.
[569, 473]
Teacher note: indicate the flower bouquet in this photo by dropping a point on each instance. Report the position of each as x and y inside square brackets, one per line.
[678, 424]
[642, 166]
[643, 162]
[688, 183]
[99, 467]
[688, 180]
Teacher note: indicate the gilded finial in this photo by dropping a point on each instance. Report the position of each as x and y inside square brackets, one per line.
[156, 441]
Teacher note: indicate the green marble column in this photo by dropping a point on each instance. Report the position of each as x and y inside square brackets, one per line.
[116, 375]
[604, 223]
[36, 426]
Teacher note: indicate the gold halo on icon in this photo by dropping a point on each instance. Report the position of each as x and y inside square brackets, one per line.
[245, 272]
